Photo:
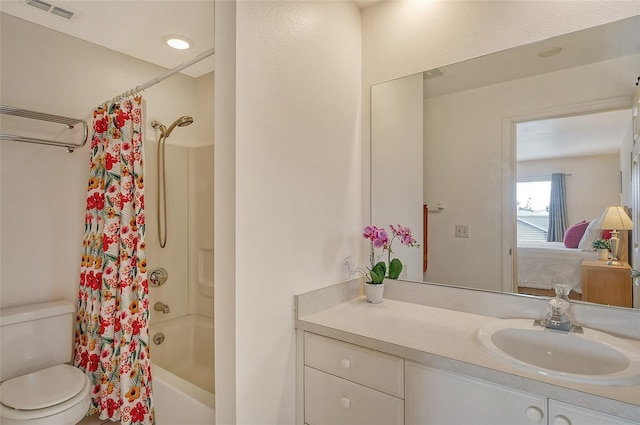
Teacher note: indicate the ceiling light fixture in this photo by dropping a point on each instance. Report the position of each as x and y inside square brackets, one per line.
[177, 42]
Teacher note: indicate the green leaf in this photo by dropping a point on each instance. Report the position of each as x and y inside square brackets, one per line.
[376, 276]
[395, 268]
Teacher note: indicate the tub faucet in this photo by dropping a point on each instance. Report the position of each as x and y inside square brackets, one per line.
[161, 307]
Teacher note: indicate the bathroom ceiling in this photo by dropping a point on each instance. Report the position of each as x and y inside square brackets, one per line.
[134, 27]
[106, 23]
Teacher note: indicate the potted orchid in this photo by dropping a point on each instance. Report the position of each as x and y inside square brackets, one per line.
[375, 275]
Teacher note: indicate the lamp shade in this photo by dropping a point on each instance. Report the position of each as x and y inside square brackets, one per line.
[615, 218]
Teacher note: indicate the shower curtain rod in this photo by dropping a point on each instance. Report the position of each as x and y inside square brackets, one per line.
[156, 80]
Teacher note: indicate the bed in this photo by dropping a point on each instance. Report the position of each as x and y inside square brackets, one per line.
[541, 265]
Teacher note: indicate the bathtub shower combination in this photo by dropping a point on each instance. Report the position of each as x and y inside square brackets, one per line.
[182, 370]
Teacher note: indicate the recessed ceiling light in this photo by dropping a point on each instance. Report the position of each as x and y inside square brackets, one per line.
[177, 42]
[547, 53]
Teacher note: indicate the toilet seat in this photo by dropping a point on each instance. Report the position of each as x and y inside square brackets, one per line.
[43, 388]
[44, 393]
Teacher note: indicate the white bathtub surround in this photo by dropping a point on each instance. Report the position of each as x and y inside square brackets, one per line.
[445, 338]
[187, 349]
[179, 402]
[183, 371]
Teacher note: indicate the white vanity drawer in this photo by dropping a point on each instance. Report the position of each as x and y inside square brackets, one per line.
[377, 370]
[332, 400]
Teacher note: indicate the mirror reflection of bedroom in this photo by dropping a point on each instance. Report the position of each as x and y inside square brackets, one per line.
[568, 174]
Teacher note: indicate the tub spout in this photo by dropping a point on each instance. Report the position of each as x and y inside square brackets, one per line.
[161, 307]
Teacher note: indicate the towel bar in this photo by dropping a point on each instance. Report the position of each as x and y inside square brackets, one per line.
[68, 122]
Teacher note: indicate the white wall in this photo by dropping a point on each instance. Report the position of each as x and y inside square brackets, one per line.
[201, 204]
[43, 188]
[297, 185]
[396, 157]
[224, 206]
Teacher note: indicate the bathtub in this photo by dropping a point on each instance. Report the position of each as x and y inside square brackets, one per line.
[182, 371]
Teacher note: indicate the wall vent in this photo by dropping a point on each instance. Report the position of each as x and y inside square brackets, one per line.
[53, 9]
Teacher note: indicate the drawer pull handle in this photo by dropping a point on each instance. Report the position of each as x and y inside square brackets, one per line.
[561, 420]
[345, 402]
[346, 364]
[534, 414]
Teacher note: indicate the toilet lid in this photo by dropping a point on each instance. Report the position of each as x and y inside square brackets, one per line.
[41, 389]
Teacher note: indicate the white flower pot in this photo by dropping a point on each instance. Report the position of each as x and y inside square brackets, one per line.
[374, 292]
[603, 254]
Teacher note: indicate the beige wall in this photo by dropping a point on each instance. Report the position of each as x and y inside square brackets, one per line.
[295, 164]
[592, 186]
[224, 207]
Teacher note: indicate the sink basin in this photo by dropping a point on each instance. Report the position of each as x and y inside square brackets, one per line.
[592, 357]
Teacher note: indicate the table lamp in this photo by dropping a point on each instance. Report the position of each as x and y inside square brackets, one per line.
[615, 218]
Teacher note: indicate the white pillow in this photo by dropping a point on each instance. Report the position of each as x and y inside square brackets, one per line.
[592, 233]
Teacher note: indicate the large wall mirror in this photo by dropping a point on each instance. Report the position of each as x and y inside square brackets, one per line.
[495, 127]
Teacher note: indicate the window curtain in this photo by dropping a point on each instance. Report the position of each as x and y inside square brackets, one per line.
[112, 336]
[557, 209]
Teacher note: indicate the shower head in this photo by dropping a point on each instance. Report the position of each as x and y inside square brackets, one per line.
[180, 122]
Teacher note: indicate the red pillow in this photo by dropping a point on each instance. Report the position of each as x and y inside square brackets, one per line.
[606, 234]
[574, 233]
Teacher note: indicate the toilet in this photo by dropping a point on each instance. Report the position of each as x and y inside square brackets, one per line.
[37, 385]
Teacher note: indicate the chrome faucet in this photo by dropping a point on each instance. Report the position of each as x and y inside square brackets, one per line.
[161, 307]
[556, 318]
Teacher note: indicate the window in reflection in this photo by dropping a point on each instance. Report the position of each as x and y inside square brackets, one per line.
[533, 209]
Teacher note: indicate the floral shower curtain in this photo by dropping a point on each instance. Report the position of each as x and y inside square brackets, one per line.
[111, 344]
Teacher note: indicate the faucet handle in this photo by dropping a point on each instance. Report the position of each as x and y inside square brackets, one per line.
[562, 290]
[558, 305]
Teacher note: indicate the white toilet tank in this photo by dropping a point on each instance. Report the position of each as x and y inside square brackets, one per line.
[36, 336]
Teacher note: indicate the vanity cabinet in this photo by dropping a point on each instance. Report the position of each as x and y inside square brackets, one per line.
[434, 396]
[566, 414]
[347, 384]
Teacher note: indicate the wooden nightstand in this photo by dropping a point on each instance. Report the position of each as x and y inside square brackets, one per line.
[603, 284]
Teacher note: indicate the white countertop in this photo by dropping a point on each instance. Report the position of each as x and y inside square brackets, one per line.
[446, 339]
